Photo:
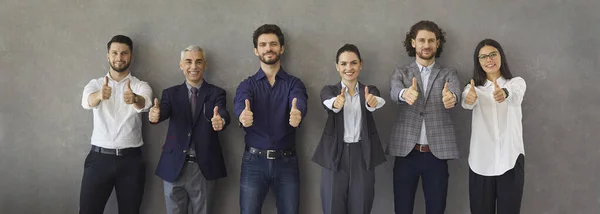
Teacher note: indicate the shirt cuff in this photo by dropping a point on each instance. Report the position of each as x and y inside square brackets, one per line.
[329, 104]
[85, 104]
[380, 103]
[400, 95]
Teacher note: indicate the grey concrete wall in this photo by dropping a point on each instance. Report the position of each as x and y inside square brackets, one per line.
[50, 49]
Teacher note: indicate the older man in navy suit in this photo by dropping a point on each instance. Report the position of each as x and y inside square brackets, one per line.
[191, 158]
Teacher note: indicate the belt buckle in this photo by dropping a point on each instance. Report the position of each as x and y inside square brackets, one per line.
[269, 152]
[420, 148]
[117, 153]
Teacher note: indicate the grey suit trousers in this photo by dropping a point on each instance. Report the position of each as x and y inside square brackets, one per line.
[191, 193]
[350, 189]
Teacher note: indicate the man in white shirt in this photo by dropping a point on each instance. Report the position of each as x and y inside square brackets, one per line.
[115, 160]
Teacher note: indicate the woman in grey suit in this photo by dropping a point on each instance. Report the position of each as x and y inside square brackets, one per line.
[496, 154]
[349, 148]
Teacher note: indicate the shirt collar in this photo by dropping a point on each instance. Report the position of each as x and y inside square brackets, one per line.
[428, 67]
[127, 77]
[346, 87]
[500, 81]
[189, 87]
[281, 74]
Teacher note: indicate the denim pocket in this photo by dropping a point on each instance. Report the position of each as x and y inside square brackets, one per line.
[247, 158]
[291, 159]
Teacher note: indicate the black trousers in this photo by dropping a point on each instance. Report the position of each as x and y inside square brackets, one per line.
[351, 188]
[433, 173]
[498, 194]
[102, 173]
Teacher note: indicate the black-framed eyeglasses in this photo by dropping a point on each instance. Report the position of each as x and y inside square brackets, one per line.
[492, 56]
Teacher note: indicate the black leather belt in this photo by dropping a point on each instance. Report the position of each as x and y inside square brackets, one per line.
[271, 154]
[118, 152]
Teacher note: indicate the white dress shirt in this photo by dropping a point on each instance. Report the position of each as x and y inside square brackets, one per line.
[117, 125]
[496, 130]
[352, 113]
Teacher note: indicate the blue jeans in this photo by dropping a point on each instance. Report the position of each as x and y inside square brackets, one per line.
[259, 174]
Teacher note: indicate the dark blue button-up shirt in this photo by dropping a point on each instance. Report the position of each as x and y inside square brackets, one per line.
[271, 108]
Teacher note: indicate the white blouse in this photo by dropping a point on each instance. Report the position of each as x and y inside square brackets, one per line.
[496, 130]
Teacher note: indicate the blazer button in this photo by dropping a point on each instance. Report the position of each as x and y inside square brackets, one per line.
[421, 113]
[185, 151]
[189, 134]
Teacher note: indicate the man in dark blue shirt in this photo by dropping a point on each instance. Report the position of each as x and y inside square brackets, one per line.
[270, 105]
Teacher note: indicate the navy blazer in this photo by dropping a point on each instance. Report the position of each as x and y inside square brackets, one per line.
[175, 105]
[329, 150]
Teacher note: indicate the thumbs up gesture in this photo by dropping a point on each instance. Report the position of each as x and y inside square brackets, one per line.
[106, 90]
[217, 121]
[128, 96]
[448, 97]
[499, 94]
[247, 117]
[371, 100]
[154, 113]
[295, 114]
[471, 95]
[340, 100]
[411, 94]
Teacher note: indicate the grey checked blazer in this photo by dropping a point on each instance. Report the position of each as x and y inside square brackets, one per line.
[440, 128]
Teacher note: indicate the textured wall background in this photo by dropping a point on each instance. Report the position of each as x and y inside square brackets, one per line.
[50, 49]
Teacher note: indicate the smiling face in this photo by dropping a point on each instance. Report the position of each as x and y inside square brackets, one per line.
[268, 49]
[490, 60]
[192, 64]
[349, 66]
[119, 57]
[425, 44]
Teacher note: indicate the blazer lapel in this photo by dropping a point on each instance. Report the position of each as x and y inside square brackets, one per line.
[434, 73]
[364, 130]
[339, 118]
[200, 101]
[183, 101]
[417, 73]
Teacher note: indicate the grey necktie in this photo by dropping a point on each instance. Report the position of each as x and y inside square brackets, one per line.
[194, 91]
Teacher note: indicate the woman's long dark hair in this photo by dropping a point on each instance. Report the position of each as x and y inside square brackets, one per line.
[479, 75]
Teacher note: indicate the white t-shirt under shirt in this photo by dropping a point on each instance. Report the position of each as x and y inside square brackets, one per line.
[117, 125]
[497, 130]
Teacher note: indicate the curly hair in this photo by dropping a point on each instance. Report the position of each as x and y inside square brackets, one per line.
[428, 26]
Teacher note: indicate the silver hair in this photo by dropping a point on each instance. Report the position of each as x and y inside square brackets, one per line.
[193, 48]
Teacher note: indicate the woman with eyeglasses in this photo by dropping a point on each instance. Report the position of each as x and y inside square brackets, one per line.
[349, 149]
[496, 154]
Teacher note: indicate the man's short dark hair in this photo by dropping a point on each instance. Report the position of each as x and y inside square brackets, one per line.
[347, 48]
[428, 26]
[120, 39]
[268, 29]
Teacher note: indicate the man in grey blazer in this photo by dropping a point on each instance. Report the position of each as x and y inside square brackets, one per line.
[423, 137]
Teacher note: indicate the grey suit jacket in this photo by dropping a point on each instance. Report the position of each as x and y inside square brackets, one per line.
[329, 150]
[429, 107]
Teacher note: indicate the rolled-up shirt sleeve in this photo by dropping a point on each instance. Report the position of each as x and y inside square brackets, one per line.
[90, 88]
[143, 89]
